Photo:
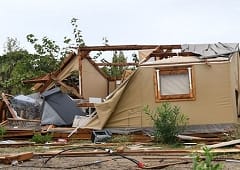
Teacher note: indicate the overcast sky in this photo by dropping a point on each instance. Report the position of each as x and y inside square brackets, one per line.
[122, 21]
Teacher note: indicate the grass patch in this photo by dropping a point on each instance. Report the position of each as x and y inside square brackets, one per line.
[119, 139]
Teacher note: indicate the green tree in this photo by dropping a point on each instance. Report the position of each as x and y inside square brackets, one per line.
[12, 44]
[18, 64]
[47, 47]
[116, 71]
[10, 77]
[79, 42]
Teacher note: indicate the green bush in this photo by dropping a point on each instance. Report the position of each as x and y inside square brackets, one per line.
[168, 122]
[206, 163]
[38, 138]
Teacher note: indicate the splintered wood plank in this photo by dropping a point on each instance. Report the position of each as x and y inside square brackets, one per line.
[166, 165]
[92, 153]
[18, 133]
[12, 111]
[4, 123]
[195, 138]
[222, 144]
[16, 144]
[83, 136]
[18, 157]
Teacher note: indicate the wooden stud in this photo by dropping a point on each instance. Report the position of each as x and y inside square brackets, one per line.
[12, 111]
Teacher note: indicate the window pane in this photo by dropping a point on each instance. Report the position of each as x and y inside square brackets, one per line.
[174, 84]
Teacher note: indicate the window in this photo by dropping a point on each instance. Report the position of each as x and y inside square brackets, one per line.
[174, 83]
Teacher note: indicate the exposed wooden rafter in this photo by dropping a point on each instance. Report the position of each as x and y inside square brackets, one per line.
[127, 47]
[117, 64]
[171, 54]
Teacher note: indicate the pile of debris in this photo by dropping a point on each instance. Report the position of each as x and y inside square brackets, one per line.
[22, 116]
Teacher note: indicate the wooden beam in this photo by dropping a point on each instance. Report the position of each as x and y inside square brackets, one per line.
[35, 81]
[18, 133]
[1, 111]
[18, 157]
[81, 55]
[67, 59]
[222, 144]
[195, 138]
[15, 144]
[85, 105]
[163, 152]
[117, 64]
[71, 89]
[171, 54]
[126, 47]
[11, 110]
[164, 165]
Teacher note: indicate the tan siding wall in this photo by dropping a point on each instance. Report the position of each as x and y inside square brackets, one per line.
[214, 98]
[93, 83]
[112, 86]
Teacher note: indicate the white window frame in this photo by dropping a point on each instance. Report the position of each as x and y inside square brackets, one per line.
[174, 70]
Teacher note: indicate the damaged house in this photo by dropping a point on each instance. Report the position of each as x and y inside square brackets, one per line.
[203, 79]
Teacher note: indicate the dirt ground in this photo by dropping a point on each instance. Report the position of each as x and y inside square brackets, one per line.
[105, 162]
[108, 163]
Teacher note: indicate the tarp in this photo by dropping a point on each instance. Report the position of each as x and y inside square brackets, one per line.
[211, 50]
[26, 107]
[58, 108]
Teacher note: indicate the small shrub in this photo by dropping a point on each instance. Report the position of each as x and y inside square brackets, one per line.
[206, 163]
[2, 131]
[38, 138]
[168, 122]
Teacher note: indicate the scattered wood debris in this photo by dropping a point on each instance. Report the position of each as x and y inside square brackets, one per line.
[8, 159]
[223, 144]
[12, 143]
